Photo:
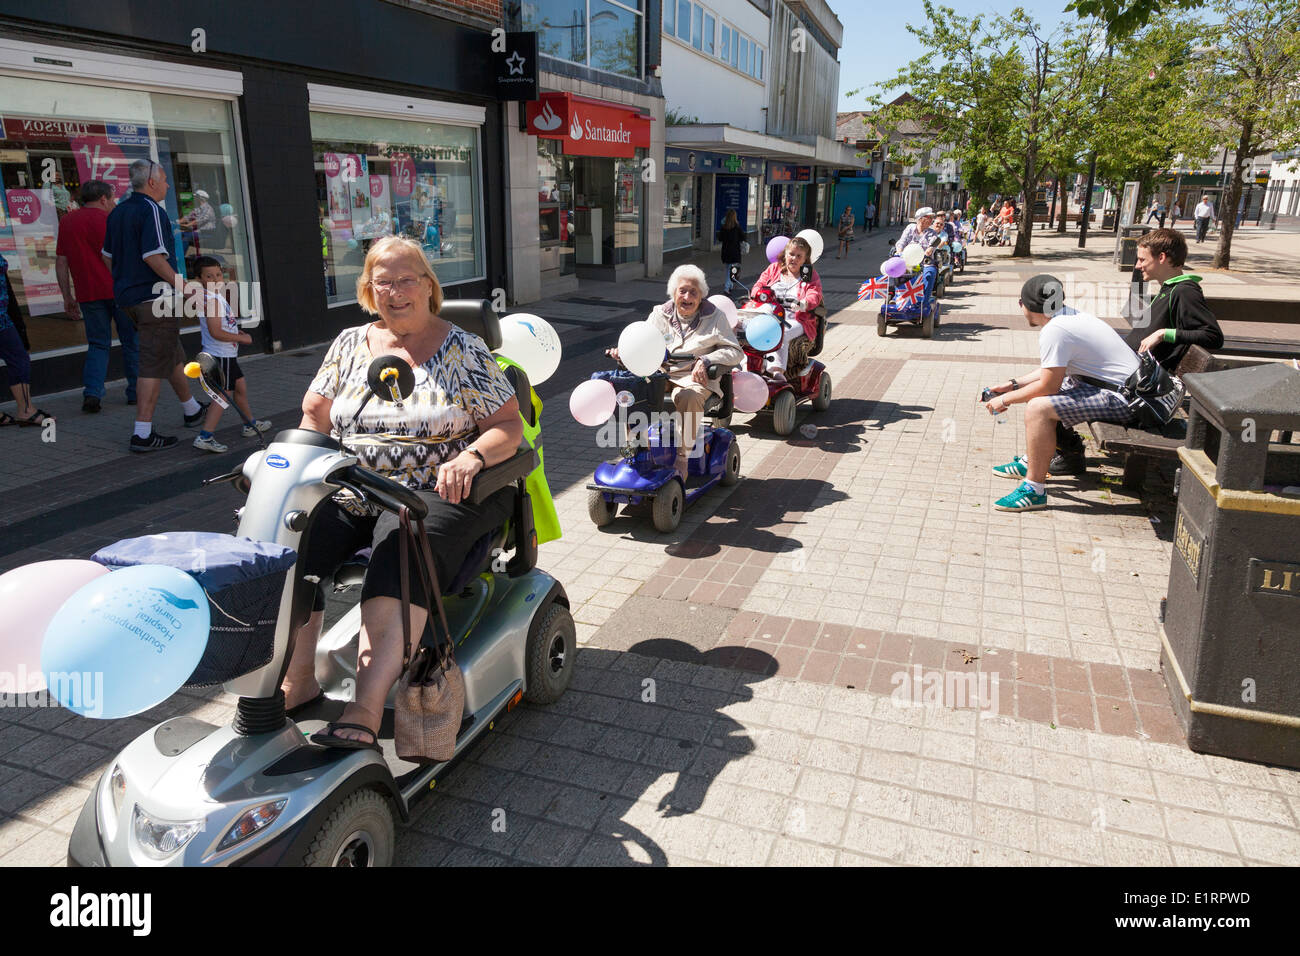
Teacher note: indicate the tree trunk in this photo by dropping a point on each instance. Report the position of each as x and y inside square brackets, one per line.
[1228, 211]
[1065, 205]
[1056, 188]
[1029, 186]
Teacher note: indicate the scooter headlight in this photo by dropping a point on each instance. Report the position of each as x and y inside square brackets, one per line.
[160, 839]
[251, 821]
[117, 788]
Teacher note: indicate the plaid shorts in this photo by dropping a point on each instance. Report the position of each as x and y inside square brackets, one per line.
[1079, 402]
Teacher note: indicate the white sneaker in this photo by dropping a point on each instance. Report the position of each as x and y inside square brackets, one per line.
[259, 425]
[209, 444]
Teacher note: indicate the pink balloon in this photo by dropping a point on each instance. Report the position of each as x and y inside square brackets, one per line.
[593, 401]
[749, 391]
[727, 308]
[30, 596]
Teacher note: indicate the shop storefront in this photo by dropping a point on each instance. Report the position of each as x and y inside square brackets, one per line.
[590, 185]
[700, 187]
[790, 205]
[278, 164]
[57, 134]
[855, 189]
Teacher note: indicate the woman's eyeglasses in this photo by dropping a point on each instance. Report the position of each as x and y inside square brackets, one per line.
[403, 285]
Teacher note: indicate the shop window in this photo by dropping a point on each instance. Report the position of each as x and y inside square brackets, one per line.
[603, 34]
[378, 177]
[56, 136]
[710, 28]
[670, 17]
[555, 208]
[679, 210]
[697, 27]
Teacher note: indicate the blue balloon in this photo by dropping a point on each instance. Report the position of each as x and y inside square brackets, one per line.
[763, 332]
[126, 641]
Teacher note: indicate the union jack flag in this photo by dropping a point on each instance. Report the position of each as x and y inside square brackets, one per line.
[873, 288]
[908, 295]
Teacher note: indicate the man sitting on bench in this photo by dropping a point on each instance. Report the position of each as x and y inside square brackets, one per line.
[1077, 350]
[1178, 313]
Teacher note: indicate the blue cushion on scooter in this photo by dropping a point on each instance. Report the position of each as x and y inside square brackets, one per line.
[244, 582]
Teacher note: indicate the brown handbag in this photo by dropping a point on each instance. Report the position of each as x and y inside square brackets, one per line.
[431, 691]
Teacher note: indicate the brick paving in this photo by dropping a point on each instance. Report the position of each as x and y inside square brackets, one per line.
[740, 696]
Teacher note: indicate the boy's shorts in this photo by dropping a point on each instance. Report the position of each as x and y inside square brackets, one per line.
[1079, 402]
[230, 370]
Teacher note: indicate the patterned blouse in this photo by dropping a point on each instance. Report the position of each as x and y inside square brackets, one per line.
[454, 390]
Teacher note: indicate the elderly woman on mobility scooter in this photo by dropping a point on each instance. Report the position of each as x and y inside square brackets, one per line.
[461, 417]
[690, 323]
[799, 295]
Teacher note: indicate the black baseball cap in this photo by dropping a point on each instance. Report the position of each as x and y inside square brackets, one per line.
[1043, 293]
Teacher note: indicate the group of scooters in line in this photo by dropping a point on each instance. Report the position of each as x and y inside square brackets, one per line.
[931, 250]
[779, 325]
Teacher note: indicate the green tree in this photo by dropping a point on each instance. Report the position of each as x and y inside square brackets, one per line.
[1251, 90]
[1008, 97]
[1123, 18]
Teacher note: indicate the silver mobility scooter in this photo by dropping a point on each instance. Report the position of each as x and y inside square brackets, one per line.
[257, 792]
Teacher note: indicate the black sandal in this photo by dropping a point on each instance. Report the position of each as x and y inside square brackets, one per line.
[31, 422]
[326, 737]
[7, 419]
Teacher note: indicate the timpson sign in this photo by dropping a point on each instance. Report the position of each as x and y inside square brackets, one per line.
[588, 127]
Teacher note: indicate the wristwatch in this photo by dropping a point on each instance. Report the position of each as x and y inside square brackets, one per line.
[1014, 385]
[477, 454]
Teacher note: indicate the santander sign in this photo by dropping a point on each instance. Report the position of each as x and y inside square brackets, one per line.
[588, 127]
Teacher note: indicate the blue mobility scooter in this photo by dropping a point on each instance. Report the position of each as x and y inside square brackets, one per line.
[257, 792]
[923, 311]
[645, 473]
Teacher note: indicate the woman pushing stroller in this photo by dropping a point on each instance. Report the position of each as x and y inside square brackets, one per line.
[798, 293]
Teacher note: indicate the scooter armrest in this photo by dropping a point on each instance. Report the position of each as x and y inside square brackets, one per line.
[495, 477]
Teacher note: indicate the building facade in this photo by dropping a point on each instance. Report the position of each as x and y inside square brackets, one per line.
[584, 160]
[305, 156]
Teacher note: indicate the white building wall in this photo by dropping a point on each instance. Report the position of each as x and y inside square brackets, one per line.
[697, 84]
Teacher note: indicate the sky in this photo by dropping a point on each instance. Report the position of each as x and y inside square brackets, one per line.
[875, 46]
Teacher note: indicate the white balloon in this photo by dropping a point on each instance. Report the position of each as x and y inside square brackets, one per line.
[533, 343]
[814, 240]
[641, 348]
[913, 255]
[727, 308]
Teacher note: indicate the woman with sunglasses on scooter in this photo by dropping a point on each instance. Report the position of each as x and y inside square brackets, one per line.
[461, 417]
[798, 295]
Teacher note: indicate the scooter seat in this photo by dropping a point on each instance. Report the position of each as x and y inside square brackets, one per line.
[352, 573]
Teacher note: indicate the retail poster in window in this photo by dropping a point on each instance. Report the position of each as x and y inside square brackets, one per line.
[34, 221]
[403, 175]
[380, 222]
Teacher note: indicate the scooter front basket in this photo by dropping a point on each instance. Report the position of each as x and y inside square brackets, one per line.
[244, 582]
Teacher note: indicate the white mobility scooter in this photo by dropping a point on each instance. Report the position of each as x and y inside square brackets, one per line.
[258, 792]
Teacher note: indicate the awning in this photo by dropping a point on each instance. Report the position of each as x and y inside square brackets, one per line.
[720, 138]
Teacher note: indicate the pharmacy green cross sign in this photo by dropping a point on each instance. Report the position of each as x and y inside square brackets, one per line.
[733, 164]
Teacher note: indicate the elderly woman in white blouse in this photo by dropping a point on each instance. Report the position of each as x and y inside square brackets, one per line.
[690, 323]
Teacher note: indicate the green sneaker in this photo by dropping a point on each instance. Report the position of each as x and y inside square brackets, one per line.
[1022, 499]
[1016, 468]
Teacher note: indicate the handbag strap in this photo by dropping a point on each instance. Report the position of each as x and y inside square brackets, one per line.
[414, 536]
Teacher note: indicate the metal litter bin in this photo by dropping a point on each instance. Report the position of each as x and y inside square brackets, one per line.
[1231, 634]
[1126, 246]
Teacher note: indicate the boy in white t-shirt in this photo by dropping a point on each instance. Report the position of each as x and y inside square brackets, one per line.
[1078, 354]
[221, 337]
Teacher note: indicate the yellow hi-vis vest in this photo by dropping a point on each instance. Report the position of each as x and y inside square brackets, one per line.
[545, 520]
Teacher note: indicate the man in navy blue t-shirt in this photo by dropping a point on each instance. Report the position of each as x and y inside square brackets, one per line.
[137, 248]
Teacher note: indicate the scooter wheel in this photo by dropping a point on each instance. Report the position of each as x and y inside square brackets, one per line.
[823, 399]
[783, 409]
[881, 326]
[601, 511]
[550, 655]
[927, 324]
[668, 506]
[359, 832]
[731, 472]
